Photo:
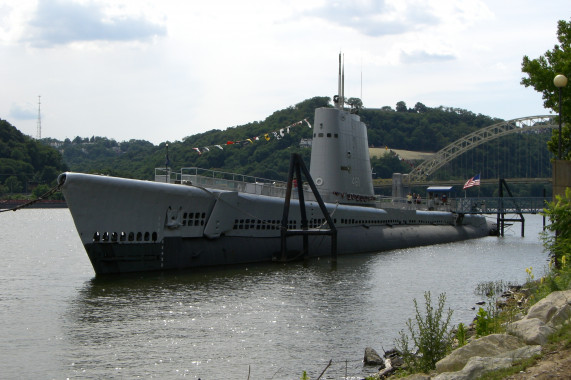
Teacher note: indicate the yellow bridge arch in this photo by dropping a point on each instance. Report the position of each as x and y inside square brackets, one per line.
[479, 137]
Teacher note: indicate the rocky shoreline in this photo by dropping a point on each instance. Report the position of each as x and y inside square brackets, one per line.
[523, 339]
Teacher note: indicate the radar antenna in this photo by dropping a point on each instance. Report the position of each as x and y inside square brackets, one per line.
[39, 129]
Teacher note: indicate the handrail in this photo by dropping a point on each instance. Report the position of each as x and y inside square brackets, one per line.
[263, 186]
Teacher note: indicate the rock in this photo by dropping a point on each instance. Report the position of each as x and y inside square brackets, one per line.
[531, 331]
[392, 353]
[395, 361]
[386, 372]
[543, 318]
[476, 367]
[491, 345]
[542, 311]
[372, 358]
[524, 352]
[560, 317]
[546, 308]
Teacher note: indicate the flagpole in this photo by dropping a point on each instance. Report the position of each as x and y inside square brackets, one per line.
[167, 165]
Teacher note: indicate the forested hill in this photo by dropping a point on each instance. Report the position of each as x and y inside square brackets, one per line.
[420, 128]
[24, 160]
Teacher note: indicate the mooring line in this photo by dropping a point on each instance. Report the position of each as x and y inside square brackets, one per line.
[41, 197]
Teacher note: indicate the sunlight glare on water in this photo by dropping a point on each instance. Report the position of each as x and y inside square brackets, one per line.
[273, 320]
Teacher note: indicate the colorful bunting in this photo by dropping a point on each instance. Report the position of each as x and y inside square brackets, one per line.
[277, 135]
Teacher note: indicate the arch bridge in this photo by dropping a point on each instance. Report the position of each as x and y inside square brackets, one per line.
[479, 137]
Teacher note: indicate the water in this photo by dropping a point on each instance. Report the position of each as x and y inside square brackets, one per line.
[273, 321]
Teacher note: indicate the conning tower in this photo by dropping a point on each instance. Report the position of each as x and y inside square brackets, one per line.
[340, 161]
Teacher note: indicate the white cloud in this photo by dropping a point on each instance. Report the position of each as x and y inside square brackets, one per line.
[60, 22]
[163, 70]
[421, 56]
[23, 112]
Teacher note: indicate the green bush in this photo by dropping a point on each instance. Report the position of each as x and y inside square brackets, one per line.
[430, 336]
[483, 323]
[461, 335]
[558, 241]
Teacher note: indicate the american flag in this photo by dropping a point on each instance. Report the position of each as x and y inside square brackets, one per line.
[474, 181]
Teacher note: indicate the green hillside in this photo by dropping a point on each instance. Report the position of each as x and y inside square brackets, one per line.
[237, 150]
[418, 128]
[26, 163]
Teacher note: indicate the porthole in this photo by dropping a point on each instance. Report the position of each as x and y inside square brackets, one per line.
[96, 236]
[131, 236]
[154, 236]
[105, 236]
[139, 236]
[147, 236]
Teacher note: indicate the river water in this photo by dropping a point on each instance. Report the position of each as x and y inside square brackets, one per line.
[263, 321]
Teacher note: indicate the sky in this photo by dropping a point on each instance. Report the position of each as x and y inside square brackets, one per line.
[162, 70]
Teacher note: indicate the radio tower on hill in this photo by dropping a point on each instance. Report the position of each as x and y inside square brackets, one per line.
[39, 131]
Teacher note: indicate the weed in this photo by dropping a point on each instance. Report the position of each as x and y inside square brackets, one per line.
[430, 336]
[461, 335]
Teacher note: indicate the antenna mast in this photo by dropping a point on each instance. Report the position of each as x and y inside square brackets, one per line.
[39, 130]
[340, 98]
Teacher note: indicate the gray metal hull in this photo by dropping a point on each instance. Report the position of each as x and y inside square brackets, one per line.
[133, 226]
[187, 253]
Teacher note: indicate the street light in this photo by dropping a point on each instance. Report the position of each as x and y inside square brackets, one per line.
[560, 81]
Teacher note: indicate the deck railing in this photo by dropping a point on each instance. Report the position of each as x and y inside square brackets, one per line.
[263, 186]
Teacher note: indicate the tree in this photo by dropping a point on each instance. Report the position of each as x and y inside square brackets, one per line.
[420, 108]
[401, 107]
[355, 103]
[541, 72]
[13, 184]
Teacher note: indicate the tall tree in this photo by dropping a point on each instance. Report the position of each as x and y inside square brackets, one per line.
[541, 72]
[401, 106]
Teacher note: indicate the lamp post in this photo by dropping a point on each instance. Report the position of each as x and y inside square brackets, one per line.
[560, 81]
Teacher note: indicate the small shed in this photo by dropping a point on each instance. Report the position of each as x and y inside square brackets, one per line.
[441, 194]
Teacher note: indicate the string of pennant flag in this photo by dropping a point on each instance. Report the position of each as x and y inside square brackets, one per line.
[278, 134]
